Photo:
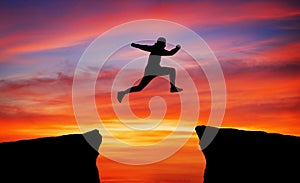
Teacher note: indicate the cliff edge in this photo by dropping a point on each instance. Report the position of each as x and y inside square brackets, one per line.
[237, 156]
[67, 158]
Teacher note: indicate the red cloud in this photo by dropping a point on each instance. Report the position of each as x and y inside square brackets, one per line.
[76, 25]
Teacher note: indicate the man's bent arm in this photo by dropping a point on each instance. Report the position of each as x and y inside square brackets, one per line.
[171, 52]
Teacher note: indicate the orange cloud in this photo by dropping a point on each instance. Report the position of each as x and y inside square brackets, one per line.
[30, 110]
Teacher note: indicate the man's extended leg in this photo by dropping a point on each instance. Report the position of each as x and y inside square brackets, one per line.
[143, 83]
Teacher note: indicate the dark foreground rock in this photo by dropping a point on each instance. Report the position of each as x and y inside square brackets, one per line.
[67, 158]
[238, 156]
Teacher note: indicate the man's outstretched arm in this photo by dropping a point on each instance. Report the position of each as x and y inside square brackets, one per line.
[142, 47]
[171, 52]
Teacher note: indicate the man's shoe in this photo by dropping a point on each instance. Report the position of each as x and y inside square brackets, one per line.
[120, 96]
[175, 89]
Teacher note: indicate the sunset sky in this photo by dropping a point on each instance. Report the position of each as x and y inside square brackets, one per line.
[256, 43]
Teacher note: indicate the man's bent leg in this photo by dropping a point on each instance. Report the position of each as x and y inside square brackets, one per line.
[172, 75]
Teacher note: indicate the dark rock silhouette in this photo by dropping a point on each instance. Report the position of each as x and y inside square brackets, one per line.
[250, 156]
[67, 158]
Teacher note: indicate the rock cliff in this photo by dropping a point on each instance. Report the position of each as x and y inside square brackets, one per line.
[67, 158]
[239, 156]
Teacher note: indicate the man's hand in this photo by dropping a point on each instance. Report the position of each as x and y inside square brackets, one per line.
[178, 46]
[133, 44]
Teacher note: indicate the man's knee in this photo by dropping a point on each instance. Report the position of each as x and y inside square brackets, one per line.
[168, 70]
[171, 70]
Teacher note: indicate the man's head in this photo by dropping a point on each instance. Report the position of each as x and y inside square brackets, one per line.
[161, 41]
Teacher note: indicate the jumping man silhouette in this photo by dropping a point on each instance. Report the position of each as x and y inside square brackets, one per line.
[153, 68]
